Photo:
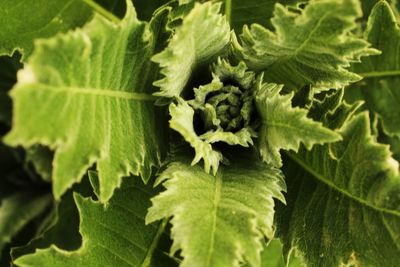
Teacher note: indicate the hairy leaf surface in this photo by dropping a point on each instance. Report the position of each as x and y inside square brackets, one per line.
[311, 47]
[343, 198]
[203, 34]
[87, 95]
[284, 127]
[221, 220]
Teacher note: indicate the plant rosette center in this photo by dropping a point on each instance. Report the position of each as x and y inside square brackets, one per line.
[222, 111]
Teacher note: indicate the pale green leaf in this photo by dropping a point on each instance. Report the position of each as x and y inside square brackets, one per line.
[343, 198]
[379, 88]
[204, 33]
[87, 95]
[17, 210]
[182, 2]
[221, 111]
[24, 21]
[284, 127]
[182, 121]
[115, 235]
[311, 46]
[221, 220]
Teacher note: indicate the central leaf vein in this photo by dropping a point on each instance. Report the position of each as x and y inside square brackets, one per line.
[217, 197]
[100, 92]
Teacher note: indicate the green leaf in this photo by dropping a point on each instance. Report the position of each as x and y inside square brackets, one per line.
[221, 220]
[17, 210]
[27, 20]
[115, 235]
[182, 121]
[41, 159]
[272, 256]
[368, 5]
[379, 88]
[252, 11]
[285, 127]
[311, 46]
[87, 95]
[221, 111]
[204, 33]
[60, 227]
[343, 198]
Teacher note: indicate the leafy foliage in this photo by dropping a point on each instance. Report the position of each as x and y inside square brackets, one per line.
[381, 73]
[253, 11]
[104, 103]
[71, 77]
[106, 241]
[235, 208]
[284, 127]
[344, 203]
[203, 34]
[225, 106]
[17, 210]
[313, 47]
[50, 18]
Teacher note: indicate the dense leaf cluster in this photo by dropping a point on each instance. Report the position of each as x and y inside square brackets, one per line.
[199, 133]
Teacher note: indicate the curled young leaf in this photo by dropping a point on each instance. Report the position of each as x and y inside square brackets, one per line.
[201, 37]
[221, 112]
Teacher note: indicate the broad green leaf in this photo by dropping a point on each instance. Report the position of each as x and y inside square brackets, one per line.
[311, 46]
[115, 235]
[247, 12]
[23, 22]
[284, 127]
[221, 220]
[87, 95]
[204, 33]
[17, 210]
[343, 198]
[379, 88]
